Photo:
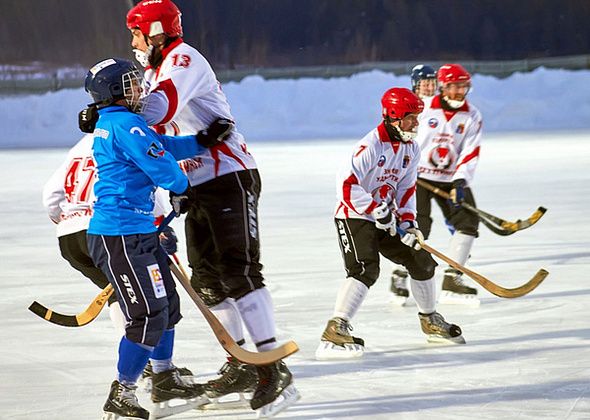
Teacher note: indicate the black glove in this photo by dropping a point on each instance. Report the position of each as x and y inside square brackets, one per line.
[457, 193]
[216, 133]
[87, 119]
[180, 202]
[168, 240]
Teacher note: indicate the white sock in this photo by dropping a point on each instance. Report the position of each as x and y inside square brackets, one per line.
[424, 292]
[257, 313]
[460, 247]
[117, 318]
[350, 297]
[227, 313]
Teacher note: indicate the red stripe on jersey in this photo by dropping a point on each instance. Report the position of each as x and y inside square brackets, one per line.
[158, 220]
[224, 148]
[215, 156]
[347, 188]
[371, 207]
[469, 157]
[406, 216]
[384, 137]
[168, 88]
[408, 194]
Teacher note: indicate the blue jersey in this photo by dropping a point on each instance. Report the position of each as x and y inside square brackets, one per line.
[132, 162]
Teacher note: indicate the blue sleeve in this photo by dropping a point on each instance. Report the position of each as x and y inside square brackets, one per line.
[182, 147]
[144, 148]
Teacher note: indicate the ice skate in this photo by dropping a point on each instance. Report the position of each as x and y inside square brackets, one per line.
[171, 394]
[399, 287]
[233, 389]
[122, 404]
[145, 381]
[275, 391]
[455, 291]
[337, 343]
[440, 331]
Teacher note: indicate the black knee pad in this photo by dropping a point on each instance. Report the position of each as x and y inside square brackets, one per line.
[369, 276]
[422, 266]
[241, 287]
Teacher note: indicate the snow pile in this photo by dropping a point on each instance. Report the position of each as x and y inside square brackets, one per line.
[345, 107]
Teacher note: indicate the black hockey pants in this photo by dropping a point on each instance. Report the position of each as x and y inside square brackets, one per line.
[361, 243]
[74, 249]
[461, 219]
[137, 267]
[222, 237]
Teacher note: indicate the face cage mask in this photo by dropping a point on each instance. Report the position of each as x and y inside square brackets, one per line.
[132, 90]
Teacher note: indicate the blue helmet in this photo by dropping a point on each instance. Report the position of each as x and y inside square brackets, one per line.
[113, 79]
[421, 72]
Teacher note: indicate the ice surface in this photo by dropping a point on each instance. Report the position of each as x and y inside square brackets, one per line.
[527, 358]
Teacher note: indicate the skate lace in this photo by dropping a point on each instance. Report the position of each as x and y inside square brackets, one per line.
[438, 320]
[126, 394]
[343, 327]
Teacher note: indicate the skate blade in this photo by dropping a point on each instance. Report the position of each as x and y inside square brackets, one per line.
[330, 351]
[235, 400]
[113, 416]
[439, 339]
[175, 406]
[287, 398]
[451, 298]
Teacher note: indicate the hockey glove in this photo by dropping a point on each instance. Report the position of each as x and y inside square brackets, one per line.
[87, 119]
[457, 193]
[384, 219]
[168, 240]
[216, 133]
[180, 202]
[413, 237]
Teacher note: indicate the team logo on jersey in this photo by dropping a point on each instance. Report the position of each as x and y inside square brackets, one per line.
[406, 161]
[442, 157]
[460, 129]
[433, 123]
[385, 192]
[155, 151]
[381, 161]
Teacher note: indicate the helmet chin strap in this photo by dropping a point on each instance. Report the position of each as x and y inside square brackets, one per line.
[453, 103]
[405, 136]
[143, 57]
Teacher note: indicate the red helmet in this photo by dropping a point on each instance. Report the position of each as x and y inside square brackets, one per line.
[399, 102]
[154, 17]
[452, 73]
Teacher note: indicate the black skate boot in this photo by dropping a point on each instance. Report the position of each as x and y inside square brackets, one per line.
[145, 382]
[438, 330]
[275, 390]
[122, 402]
[337, 343]
[235, 378]
[399, 287]
[169, 385]
[455, 291]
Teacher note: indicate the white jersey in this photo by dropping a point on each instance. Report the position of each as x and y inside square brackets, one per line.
[69, 196]
[449, 142]
[380, 170]
[184, 98]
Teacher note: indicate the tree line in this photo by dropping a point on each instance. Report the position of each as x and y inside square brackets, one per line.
[235, 34]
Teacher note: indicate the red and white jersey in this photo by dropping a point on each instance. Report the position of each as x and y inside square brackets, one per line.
[68, 195]
[449, 142]
[184, 98]
[380, 169]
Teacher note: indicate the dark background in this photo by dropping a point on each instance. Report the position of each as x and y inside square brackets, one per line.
[235, 34]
